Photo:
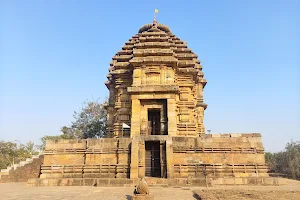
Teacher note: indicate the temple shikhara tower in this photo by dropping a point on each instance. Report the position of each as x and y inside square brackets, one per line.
[155, 126]
[156, 85]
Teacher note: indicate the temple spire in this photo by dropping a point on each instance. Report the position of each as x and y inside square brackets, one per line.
[155, 12]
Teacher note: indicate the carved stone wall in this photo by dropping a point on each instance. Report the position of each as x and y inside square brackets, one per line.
[156, 62]
[219, 155]
[90, 158]
[215, 155]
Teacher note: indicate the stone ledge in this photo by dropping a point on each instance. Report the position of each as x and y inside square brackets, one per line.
[100, 182]
[264, 181]
[153, 88]
[117, 182]
[232, 135]
[153, 182]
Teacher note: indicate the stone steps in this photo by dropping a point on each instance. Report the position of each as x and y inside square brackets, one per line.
[116, 182]
[163, 182]
[155, 182]
[21, 164]
[176, 182]
[158, 185]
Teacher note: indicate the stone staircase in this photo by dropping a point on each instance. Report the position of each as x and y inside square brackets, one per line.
[11, 172]
[157, 182]
[163, 182]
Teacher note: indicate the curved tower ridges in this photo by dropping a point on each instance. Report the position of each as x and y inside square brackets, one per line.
[155, 61]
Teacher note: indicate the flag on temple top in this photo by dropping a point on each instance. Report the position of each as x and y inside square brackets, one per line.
[156, 10]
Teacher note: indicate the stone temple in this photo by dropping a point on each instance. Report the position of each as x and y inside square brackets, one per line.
[156, 86]
[155, 126]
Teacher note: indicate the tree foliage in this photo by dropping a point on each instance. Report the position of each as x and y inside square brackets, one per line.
[286, 162]
[89, 122]
[12, 153]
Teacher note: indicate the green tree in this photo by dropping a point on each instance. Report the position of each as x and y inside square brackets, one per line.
[11, 153]
[271, 160]
[286, 162]
[8, 153]
[89, 122]
[293, 159]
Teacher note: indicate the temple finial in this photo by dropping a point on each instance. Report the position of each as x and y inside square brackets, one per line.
[155, 12]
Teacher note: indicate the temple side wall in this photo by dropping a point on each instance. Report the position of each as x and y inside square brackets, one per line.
[219, 155]
[214, 155]
[90, 158]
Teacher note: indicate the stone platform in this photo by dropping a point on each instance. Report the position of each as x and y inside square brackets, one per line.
[264, 181]
[118, 182]
[155, 182]
[97, 182]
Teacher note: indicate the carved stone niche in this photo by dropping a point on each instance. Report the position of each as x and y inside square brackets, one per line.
[184, 94]
[152, 75]
[184, 114]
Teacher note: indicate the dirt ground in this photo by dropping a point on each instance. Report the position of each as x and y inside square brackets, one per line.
[247, 194]
[12, 191]
[290, 191]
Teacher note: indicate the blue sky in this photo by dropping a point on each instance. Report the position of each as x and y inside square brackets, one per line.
[54, 55]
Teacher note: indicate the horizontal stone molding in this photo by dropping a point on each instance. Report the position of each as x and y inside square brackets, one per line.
[88, 151]
[89, 171]
[217, 150]
[154, 88]
[220, 170]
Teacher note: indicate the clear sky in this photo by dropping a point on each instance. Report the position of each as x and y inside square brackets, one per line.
[54, 55]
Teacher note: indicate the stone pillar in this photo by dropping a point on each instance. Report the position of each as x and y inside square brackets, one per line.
[142, 154]
[143, 120]
[200, 110]
[135, 118]
[162, 121]
[137, 77]
[172, 121]
[200, 92]
[169, 158]
[143, 76]
[134, 159]
[110, 121]
[163, 161]
[112, 95]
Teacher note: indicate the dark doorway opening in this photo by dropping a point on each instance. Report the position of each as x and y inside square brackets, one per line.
[154, 121]
[152, 159]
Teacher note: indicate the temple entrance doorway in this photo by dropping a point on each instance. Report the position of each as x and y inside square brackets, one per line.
[152, 159]
[154, 122]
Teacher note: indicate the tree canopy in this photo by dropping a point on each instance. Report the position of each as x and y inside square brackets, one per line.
[12, 153]
[89, 122]
[286, 162]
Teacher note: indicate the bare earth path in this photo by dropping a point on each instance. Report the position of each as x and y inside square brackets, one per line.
[20, 191]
